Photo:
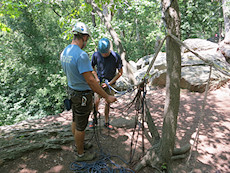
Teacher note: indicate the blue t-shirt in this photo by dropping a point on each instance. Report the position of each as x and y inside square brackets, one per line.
[106, 67]
[75, 62]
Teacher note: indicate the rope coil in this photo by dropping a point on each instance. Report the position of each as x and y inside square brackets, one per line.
[102, 165]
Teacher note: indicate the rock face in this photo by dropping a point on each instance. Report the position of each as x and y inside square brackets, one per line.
[224, 49]
[47, 133]
[198, 45]
[194, 72]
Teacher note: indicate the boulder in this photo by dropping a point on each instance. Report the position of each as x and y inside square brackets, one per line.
[194, 72]
[198, 44]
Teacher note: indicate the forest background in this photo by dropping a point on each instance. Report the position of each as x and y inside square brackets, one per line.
[34, 32]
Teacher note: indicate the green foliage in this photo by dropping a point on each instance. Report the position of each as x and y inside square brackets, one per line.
[32, 84]
[164, 166]
[25, 94]
[142, 27]
[200, 19]
[11, 8]
[139, 25]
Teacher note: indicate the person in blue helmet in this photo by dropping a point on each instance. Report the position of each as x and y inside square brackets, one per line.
[81, 84]
[107, 65]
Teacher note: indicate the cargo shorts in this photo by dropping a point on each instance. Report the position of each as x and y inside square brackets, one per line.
[82, 105]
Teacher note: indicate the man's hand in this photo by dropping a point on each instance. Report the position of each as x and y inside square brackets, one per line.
[103, 85]
[91, 81]
[111, 99]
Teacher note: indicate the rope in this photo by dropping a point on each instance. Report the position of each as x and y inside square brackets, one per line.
[132, 151]
[140, 99]
[103, 165]
[202, 116]
[116, 91]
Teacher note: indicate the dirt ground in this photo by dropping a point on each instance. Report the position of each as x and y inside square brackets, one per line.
[212, 154]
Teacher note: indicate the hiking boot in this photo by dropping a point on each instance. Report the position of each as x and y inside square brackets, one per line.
[108, 126]
[85, 157]
[87, 146]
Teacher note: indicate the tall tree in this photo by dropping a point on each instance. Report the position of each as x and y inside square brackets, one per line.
[173, 55]
[224, 46]
[162, 153]
[106, 18]
[29, 61]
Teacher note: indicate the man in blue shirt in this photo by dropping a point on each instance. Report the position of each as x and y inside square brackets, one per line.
[107, 65]
[77, 67]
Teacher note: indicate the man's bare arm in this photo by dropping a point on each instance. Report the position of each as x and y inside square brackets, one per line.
[95, 74]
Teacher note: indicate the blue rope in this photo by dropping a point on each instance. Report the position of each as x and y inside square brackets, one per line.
[116, 91]
[103, 165]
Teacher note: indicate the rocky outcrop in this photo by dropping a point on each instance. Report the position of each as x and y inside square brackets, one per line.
[47, 133]
[194, 72]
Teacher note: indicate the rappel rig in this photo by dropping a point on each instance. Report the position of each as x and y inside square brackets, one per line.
[104, 164]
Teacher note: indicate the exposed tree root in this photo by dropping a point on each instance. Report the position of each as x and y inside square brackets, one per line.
[152, 158]
[182, 150]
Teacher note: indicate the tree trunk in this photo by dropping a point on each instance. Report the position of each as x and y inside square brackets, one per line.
[163, 152]
[224, 46]
[93, 18]
[226, 13]
[173, 57]
[126, 66]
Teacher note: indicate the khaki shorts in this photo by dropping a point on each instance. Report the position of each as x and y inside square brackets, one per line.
[82, 105]
[107, 90]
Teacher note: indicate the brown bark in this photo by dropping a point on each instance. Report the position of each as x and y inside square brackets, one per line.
[162, 152]
[173, 57]
[93, 18]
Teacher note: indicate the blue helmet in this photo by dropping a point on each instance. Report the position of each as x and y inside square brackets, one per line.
[104, 45]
